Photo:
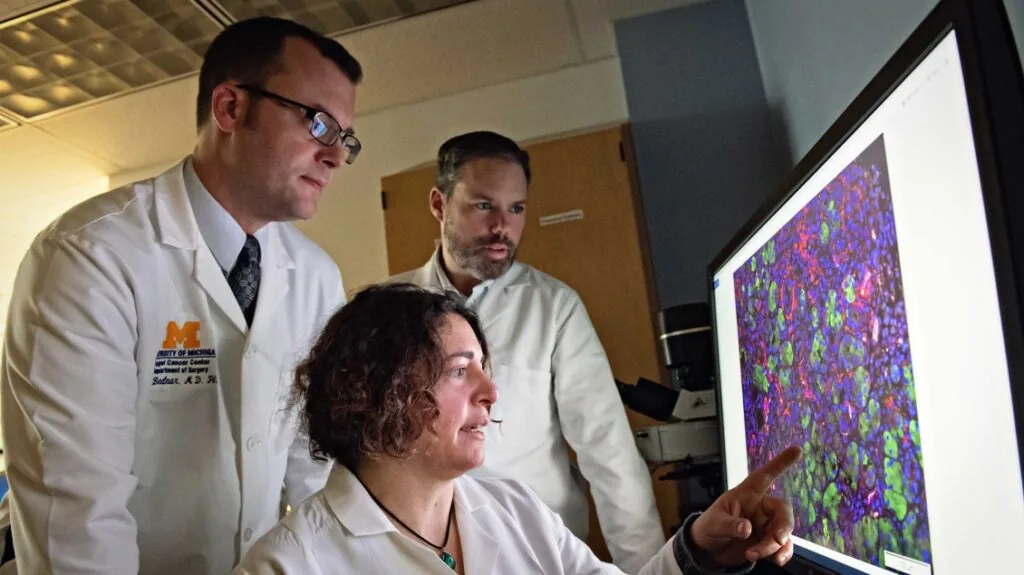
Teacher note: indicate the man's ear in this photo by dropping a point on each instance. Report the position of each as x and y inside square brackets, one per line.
[229, 107]
[437, 201]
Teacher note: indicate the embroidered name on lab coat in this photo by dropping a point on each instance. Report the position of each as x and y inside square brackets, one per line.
[183, 360]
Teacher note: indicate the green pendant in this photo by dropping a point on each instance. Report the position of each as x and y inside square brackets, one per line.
[448, 559]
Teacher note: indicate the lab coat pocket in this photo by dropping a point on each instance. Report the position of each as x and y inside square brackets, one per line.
[178, 422]
[525, 404]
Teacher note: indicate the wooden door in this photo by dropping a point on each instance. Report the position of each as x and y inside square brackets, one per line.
[584, 227]
[410, 230]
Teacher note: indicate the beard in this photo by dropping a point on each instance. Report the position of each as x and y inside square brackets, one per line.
[471, 253]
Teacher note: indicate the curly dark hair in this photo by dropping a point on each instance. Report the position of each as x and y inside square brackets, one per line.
[367, 386]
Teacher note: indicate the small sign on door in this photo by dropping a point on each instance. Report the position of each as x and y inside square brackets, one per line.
[561, 218]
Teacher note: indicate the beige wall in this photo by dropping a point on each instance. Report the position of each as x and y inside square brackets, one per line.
[22, 219]
[32, 196]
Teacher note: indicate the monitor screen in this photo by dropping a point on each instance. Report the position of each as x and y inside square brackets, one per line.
[861, 321]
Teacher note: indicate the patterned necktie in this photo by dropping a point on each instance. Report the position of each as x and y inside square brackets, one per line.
[244, 278]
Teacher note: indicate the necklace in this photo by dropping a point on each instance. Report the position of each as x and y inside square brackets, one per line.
[440, 550]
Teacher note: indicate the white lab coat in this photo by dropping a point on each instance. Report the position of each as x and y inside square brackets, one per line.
[556, 386]
[503, 527]
[117, 464]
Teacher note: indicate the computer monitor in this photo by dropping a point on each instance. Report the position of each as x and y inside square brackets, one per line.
[870, 312]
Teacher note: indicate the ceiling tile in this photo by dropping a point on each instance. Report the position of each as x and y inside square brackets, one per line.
[82, 52]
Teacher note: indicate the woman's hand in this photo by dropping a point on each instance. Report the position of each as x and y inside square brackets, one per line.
[745, 524]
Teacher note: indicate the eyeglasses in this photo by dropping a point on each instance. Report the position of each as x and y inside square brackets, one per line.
[322, 126]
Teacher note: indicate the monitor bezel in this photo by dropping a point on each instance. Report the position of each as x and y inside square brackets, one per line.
[989, 56]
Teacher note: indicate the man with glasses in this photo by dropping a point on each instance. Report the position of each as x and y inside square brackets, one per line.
[153, 329]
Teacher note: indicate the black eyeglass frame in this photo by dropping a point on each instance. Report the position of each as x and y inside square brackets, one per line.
[349, 142]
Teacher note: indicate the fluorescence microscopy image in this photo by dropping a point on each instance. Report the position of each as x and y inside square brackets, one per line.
[826, 364]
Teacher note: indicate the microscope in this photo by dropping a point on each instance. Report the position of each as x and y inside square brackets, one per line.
[689, 437]
[690, 431]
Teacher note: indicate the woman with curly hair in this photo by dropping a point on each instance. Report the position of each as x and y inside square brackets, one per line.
[396, 392]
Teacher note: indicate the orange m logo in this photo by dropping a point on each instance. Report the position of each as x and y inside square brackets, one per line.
[186, 336]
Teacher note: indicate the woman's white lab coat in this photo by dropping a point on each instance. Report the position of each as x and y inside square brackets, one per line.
[504, 528]
[123, 342]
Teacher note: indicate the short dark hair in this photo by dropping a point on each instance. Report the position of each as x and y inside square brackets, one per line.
[367, 386]
[248, 52]
[465, 147]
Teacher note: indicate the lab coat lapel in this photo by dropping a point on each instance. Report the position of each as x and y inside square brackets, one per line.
[493, 305]
[479, 549]
[484, 528]
[176, 227]
[275, 276]
[501, 296]
[211, 278]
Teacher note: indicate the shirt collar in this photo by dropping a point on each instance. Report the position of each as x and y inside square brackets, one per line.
[219, 229]
[446, 283]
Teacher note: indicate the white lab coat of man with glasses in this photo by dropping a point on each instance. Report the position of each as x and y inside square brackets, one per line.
[154, 329]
